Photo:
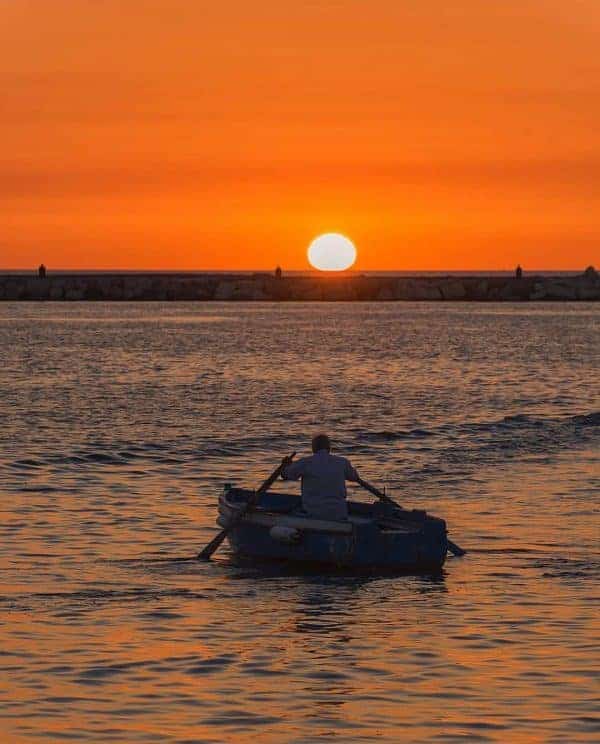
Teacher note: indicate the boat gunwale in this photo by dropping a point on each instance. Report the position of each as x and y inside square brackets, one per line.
[267, 518]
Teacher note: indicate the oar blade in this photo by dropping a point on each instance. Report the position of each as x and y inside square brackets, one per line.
[206, 553]
[456, 549]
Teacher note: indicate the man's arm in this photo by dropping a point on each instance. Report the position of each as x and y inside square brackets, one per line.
[291, 470]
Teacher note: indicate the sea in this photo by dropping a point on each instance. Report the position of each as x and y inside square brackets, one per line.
[119, 425]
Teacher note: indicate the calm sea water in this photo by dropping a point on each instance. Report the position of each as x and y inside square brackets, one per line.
[119, 425]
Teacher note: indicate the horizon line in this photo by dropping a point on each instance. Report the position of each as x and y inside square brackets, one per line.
[271, 270]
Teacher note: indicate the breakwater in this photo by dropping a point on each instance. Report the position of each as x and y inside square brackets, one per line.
[268, 287]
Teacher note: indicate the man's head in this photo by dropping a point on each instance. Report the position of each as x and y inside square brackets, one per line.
[321, 442]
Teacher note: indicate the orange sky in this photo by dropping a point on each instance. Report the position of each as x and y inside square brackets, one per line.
[191, 135]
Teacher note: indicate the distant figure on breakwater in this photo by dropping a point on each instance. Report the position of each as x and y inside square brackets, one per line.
[278, 273]
[323, 478]
[42, 271]
[519, 272]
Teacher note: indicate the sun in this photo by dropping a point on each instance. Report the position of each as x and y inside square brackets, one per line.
[331, 252]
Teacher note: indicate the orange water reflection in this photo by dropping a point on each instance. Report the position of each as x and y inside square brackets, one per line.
[113, 456]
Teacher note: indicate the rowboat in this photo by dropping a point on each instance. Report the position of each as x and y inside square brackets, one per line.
[375, 536]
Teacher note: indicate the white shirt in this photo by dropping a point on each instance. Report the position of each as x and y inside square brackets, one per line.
[324, 479]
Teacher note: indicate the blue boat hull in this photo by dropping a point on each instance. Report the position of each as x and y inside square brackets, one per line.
[376, 537]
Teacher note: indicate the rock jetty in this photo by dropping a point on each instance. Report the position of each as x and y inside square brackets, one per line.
[269, 287]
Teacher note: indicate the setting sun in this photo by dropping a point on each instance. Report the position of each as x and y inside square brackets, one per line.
[332, 252]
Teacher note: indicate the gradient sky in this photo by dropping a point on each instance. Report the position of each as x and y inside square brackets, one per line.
[192, 135]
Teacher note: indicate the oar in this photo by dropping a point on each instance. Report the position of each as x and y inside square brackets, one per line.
[376, 492]
[206, 553]
[453, 547]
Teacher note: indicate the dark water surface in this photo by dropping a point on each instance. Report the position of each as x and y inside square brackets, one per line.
[119, 425]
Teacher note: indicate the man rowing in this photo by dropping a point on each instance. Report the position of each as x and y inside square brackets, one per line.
[323, 477]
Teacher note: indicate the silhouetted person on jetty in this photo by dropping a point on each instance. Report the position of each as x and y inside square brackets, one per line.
[42, 271]
[323, 478]
[278, 273]
[519, 272]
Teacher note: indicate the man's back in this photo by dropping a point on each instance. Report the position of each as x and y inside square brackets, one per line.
[324, 479]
